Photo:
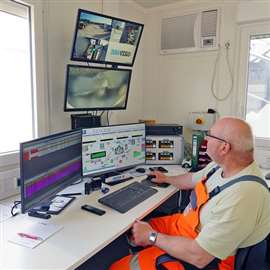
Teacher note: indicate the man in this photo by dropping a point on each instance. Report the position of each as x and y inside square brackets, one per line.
[210, 227]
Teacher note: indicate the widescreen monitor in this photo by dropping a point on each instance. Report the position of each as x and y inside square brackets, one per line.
[104, 39]
[112, 148]
[96, 88]
[48, 165]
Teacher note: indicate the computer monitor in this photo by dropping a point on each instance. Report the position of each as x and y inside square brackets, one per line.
[48, 165]
[96, 88]
[104, 39]
[112, 148]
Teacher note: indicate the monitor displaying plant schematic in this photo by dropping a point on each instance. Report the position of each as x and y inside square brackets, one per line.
[96, 88]
[104, 39]
[112, 148]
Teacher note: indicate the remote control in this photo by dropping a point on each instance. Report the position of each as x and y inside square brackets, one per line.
[93, 209]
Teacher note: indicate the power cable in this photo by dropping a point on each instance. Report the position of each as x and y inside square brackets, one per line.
[227, 46]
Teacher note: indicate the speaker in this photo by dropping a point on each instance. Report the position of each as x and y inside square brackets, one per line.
[85, 121]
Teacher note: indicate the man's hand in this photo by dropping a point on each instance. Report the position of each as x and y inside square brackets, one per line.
[160, 177]
[141, 231]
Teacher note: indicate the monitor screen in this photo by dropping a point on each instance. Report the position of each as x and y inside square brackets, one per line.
[104, 39]
[96, 88]
[48, 165]
[106, 149]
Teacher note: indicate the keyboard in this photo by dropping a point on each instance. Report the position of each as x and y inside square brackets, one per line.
[128, 197]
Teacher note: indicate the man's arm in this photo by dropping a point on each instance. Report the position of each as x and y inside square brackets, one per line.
[183, 181]
[179, 247]
[185, 249]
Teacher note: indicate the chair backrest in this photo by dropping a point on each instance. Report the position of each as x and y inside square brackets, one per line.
[252, 257]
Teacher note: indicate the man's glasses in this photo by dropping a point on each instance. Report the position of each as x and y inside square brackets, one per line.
[214, 137]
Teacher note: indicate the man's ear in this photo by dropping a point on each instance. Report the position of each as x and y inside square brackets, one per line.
[225, 148]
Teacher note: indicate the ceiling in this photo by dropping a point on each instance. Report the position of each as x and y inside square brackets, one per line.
[155, 3]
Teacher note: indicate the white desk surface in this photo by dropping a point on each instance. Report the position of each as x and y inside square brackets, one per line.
[83, 233]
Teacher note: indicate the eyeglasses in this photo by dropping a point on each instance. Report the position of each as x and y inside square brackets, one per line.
[214, 137]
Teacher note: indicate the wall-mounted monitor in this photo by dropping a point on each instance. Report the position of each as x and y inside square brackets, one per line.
[104, 39]
[96, 88]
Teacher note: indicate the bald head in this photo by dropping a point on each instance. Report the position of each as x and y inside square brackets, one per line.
[237, 132]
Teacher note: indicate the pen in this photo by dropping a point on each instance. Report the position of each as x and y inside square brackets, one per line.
[29, 236]
[70, 194]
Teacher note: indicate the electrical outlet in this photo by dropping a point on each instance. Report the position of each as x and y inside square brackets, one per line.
[18, 181]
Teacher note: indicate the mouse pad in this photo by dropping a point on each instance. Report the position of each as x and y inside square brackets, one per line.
[151, 184]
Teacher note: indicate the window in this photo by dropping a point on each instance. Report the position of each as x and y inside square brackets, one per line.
[258, 85]
[254, 86]
[16, 94]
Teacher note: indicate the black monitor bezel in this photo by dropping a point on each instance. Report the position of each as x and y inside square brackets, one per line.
[102, 62]
[122, 168]
[60, 187]
[99, 108]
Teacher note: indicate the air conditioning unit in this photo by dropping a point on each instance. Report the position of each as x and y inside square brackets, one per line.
[194, 31]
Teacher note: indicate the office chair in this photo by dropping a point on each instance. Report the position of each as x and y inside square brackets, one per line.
[248, 258]
[252, 257]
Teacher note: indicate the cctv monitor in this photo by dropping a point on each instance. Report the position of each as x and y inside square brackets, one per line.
[48, 165]
[112, 148]
[96, 88]
[104, 39]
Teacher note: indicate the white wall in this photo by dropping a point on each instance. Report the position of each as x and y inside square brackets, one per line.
[60, 18]
[163, 87]
[252, 11]
[180, 83]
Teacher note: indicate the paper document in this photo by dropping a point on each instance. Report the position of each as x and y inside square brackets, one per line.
[32, 234]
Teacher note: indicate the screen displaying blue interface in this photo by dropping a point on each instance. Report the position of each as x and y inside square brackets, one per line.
[106, 149]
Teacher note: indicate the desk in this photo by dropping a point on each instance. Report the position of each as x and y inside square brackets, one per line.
[83, 234]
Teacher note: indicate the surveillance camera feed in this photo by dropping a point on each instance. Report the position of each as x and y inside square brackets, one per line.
[96, 88]
[104, 39]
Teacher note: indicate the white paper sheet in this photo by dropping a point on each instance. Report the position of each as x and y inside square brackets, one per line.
[34, 233]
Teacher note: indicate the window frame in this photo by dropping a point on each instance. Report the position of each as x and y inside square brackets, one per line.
[38, 57]
[245, 31]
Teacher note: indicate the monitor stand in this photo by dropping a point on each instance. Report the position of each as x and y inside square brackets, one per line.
[109, 174]
[54, 207]
[40, 211]
[113, 173]
[38, 214]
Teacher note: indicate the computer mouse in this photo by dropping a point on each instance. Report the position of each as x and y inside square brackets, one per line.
[267, 176]
[140, 170]
[162, 169]
[149, 181]
[150, 177]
